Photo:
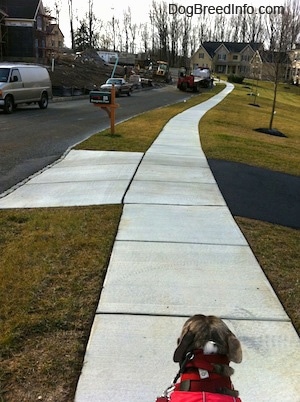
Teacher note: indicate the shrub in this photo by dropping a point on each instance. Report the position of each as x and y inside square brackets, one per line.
[238, 79]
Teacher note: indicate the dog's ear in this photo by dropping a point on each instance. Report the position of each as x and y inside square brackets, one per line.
[234, 349]
[183, 347]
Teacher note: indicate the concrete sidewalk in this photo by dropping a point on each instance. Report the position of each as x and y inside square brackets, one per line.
[178, 252]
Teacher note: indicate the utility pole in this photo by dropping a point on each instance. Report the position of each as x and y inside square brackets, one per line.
[91, 14]
[70, 4]
[114, 31]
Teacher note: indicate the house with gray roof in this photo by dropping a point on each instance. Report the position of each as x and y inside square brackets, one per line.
[225, 57]
[265, 63]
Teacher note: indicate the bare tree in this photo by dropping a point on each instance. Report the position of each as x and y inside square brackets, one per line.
[194, 39]
[175, 31]
[256, 29]
[294, 17]
[105, 40]
[186, 30]
[160, 21]
[133, 32]
[57, 6]
[145, 37]
[219, 27]
[126, 23]
[94, 26]
[120, 37]
[112, 28]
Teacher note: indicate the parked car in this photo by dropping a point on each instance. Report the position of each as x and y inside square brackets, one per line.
[24, 83]
[121, 86]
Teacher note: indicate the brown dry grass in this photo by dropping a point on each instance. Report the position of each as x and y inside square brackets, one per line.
[53, 262]
[277, 250]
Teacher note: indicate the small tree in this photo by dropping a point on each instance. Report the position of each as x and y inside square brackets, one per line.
[281, 31]
[81, 37]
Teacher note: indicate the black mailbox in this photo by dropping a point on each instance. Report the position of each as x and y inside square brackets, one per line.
[102, 97]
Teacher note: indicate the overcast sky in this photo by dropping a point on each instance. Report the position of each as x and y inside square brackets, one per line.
[105, 10]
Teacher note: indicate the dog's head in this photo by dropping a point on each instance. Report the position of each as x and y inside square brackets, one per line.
[210, 334]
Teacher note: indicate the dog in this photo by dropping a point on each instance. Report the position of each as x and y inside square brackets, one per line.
[204, 350]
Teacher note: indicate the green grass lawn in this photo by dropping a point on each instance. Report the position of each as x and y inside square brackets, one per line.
[53, 261]
[227, 131]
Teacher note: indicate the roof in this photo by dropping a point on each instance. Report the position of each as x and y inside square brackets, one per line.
[233, 47]
[268, 56]
[25, 9]
[51, 27]
[2, 12]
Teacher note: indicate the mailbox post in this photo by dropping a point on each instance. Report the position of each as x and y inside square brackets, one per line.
[106, 101]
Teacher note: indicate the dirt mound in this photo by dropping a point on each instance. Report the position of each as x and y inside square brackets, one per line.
[82, 71]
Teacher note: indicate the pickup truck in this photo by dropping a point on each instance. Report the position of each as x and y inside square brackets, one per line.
[121, 86]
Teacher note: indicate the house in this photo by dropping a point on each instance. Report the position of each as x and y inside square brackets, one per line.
[264, 63]
[225, 57]
[3, 15]
[294, 55]
[25, 31]
[54, 41]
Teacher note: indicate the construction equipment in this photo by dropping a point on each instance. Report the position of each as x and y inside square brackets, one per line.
[197, 79]
[155, 70]
[162, 71]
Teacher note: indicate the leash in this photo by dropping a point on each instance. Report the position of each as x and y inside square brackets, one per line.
[165, 395]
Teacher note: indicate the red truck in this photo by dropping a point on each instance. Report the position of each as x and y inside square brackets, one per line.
[199, 78]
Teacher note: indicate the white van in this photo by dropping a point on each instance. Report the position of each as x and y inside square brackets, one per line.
[24, 83]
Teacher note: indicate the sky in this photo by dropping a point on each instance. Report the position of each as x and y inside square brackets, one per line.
[106, 10]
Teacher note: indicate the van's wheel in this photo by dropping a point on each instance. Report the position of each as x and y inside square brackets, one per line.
[8, 105]
[43, 103]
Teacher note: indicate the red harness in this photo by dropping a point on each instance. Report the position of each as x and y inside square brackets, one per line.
[200, 377]
[200, 374]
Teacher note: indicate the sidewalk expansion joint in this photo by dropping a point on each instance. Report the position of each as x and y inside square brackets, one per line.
[229, 318]
[131, 180]
[183, 242]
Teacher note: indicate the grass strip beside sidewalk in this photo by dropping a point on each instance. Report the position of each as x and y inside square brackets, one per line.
[53, 263]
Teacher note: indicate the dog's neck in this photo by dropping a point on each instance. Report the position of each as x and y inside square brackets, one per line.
[207, 373]
[202, 355]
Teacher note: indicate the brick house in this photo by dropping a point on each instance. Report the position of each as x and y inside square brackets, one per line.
[225, 57]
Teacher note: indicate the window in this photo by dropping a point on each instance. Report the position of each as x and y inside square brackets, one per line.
[15, 75]
[221, 56]
[245, 57]
[4, 72]
[235, 57]
[39, 23]
[201, 55]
